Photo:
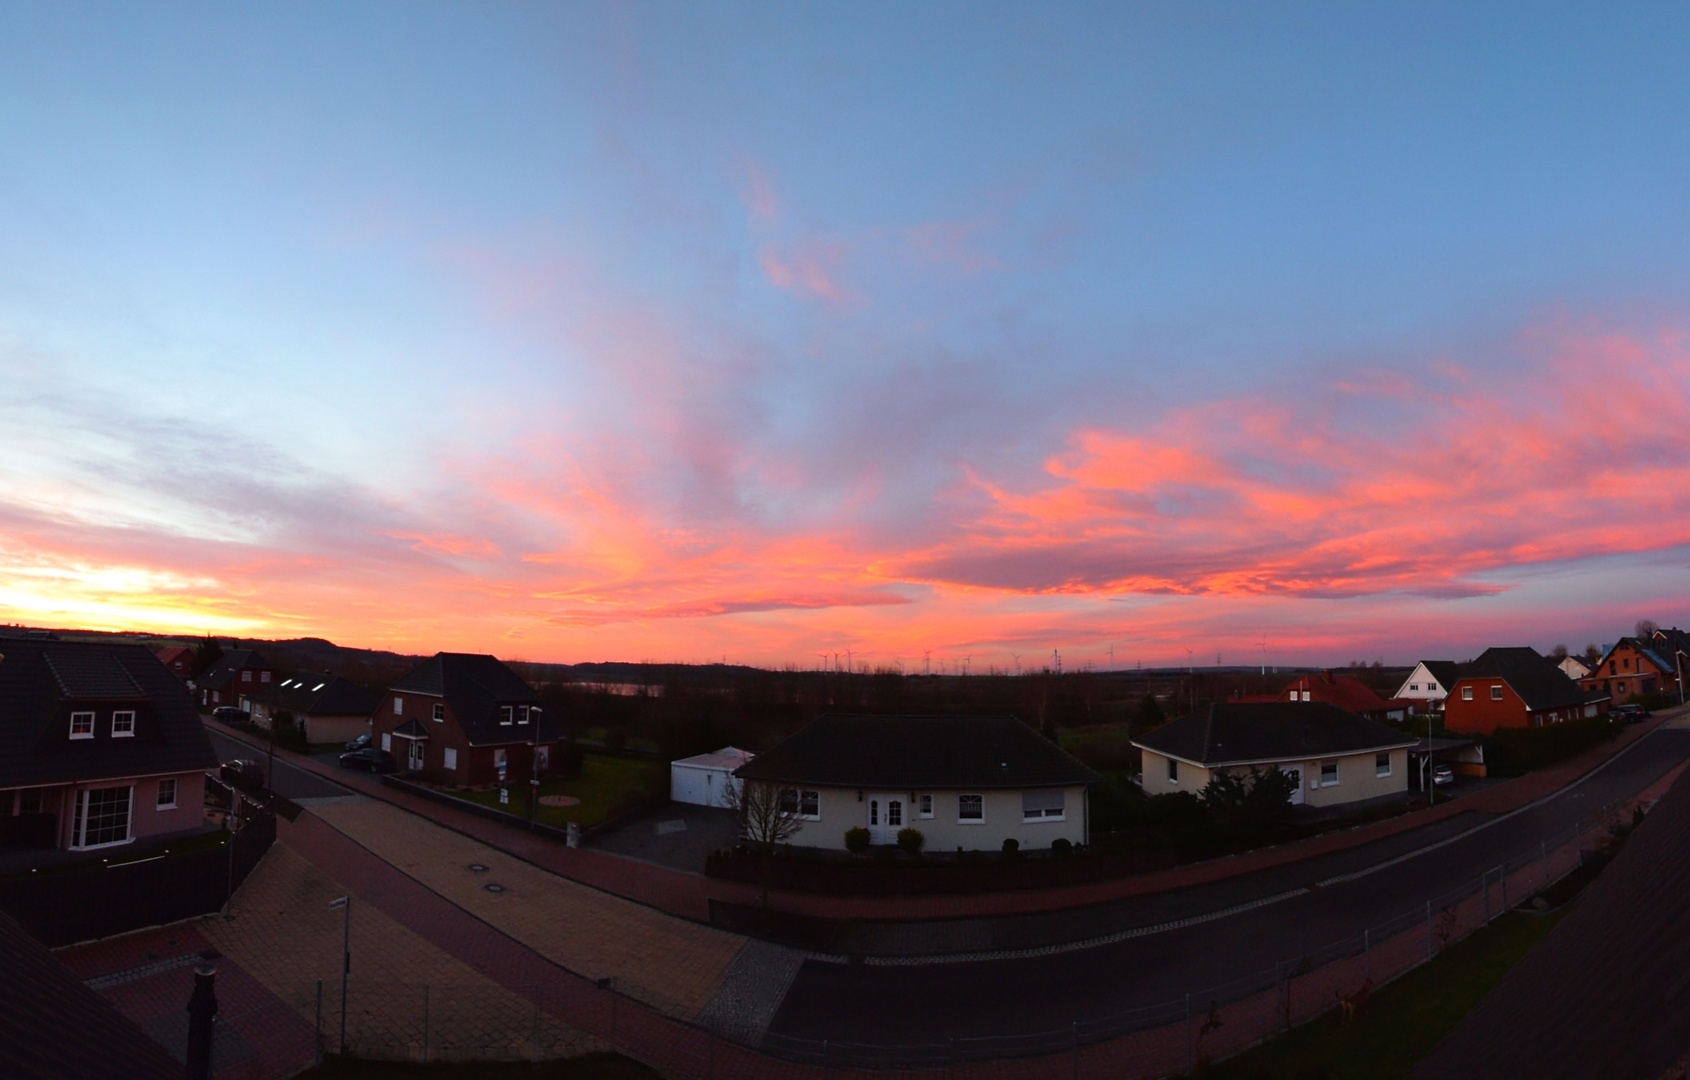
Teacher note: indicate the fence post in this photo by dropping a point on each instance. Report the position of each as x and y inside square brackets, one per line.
[1428, 929]
[1367, 953]
[425, 1023]
[1189, 1050]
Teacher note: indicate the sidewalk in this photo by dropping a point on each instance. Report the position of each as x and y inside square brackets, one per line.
[689, 895]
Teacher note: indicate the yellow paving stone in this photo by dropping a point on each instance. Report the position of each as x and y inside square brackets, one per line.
[664, 959]
[405, 992]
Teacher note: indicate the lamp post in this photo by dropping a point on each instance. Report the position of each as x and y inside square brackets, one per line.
[345, 905]
[534, 715]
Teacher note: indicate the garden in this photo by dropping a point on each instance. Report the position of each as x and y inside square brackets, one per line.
[605, 787]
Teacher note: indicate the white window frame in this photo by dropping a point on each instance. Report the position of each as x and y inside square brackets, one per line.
[1173, 770]
[924, 807]
[1466, 693]
[522, 714]
[1336, 774]
[793, 800]
[1382, 770]
[387, 742]
[451, 759]
[505, 715]
[75, 734]
[160, 803]
[398, 706]
[263, 676]
[79, 820]
[246, 675]
[439, 711]
[1045, 814]
[962, 819]
[1496, 692]
[127, 732]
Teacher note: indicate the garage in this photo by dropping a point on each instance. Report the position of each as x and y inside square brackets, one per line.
[706, 779]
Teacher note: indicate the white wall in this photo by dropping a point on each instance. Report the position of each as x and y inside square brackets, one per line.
[699, 785]
[944, 831]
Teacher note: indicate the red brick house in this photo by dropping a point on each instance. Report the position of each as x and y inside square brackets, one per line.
[1516, 688]
[1634, 667]
[234, 678]
[457, 717]
[180, 661]
[1346, 692]
[100, 745]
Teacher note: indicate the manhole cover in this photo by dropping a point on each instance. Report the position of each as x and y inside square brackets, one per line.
[559, 800]
[477, 868]
[494, 887]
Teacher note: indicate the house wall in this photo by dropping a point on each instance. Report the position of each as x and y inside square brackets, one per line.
[146, 818]
[1357, 777]
[476, 765]
[841, 810]
[1626, 672]
[1482, 715]
[700, 786]
[1421, 685]
[1191, 778]
[334, 729]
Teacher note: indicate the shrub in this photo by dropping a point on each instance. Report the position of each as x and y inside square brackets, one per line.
[1512, 751]
[857, 840]
[911, 840]
[1249, 805]
[1062, 846]
[1011, 846]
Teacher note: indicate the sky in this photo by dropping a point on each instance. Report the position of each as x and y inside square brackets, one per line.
[931, 334]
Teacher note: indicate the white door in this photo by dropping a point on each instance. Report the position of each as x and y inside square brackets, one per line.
[1295, 772]
[416, 755]
[885, 818]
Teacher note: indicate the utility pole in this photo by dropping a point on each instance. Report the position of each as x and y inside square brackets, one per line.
[345, 904]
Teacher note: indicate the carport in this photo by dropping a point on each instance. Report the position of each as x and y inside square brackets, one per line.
[1465, 757]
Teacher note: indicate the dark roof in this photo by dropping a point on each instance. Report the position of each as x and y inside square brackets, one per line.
[228, 666]
[1672, 640]
[1604, 993]
[319, 695]
[475, 686]
[1445, 671]
[912, 753]
[1536, 678]
[41, 682]
[1239, 732]
[1344, 691]
[52, 1027]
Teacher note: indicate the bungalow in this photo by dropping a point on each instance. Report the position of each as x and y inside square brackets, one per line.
[327, 708]
[1336, 757]
[1634, 667]
[1344, 691]
[467, 719]
[233, 678]
[1516, 688]
[966, 782]
[1429, 682]
[99, 745]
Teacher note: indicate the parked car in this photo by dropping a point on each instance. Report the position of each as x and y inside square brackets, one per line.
[369, 758]
[246, 775]
[1442, 774]
[229, 714]
[1631, 714]
[359, 743]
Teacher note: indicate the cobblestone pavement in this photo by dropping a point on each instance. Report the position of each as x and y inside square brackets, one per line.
[577, 927]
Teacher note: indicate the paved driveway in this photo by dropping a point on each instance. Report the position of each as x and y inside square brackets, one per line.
[679, 835]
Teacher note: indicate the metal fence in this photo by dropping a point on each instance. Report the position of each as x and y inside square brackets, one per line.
[572, 1015]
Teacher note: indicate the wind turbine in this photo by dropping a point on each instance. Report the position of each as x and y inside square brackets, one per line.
[1017, 662]
[1264, 654]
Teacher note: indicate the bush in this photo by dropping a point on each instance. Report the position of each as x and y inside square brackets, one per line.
[1253, 805]
[911, 840]
[857, 840]
[1512, 751]
[1011, 846]
[1062, 846]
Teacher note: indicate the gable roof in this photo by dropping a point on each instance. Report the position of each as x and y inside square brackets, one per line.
[728, 757]
[1540, 683]
[41, 680]
[170, 654]
[1344, 691]
[915, 753]
[475, 686]
[1247, 732]
[1445, 671]
[52, 1027]
[319, 695]
[228, 666]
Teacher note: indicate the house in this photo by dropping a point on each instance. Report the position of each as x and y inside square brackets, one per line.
[1573, 668]
[233, 678]
[466, 719]
[179, 660]
[1336, 756]
[1344, 691]
[100, 745]
[1633, 667]
[1674, 645]
[328, 708]
[707, 779]
[1516, 688]
[968, 783]
[1429, 682]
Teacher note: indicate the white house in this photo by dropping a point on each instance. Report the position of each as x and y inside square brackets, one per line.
[1575, 668]
[707, 779]
[1429, 681]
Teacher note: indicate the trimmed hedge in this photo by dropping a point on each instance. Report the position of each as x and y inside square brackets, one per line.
[1521, 750]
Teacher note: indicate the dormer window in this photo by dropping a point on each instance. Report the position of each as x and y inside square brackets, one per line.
[246, 676]
[123, 724]
[522, 714]
[82, 725]
[505, 714]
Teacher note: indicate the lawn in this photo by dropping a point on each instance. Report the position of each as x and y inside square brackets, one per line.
[589, 1067]
[606, 784]
[1403, 1021]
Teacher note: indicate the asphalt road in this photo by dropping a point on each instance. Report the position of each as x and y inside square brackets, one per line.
[910, 1005]
[289, 780]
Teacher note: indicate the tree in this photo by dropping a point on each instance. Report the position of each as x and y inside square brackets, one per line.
[765, 813]
[1592, 654]
[1558, 653]
[1148, 717]
[206, 653]
[1646, 628]
[1248, 805]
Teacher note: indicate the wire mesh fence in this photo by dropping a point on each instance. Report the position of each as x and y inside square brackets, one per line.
[573, 1015]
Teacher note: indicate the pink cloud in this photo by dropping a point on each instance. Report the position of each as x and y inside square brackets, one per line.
[809, 270]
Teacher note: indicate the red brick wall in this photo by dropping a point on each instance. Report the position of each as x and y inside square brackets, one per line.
[1628, 666]
[476, 764]
[1481, 716]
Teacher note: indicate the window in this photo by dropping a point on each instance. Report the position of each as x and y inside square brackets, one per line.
[1173, 771]
[398, 706]
[264, 676]
[807, 805]
[451, 758]
[1042, 806]
[894, 813]
[971, 809]
[122, 725]
[925, 805]
[1328, 773]
[246, 676]
[1413, 686]
[504, 714]
[439, 712]
[501, 762]
[387, 741]
[1466, 693]
[167, 793]
[82, 725]
[1496, 693]
[1305, 695]
[522, 714]
[101, 817]
[1382, 764]
[1619, 687]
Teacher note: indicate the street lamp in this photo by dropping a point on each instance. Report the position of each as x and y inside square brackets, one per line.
[345, 905]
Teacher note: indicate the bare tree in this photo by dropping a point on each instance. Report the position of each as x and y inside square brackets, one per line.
[1592, 653]
[1559, 652]
[765, 813]
[1646, 628]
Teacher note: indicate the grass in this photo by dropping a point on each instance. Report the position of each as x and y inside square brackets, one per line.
[606, 784]
[588, 1067]
[1403, 1021]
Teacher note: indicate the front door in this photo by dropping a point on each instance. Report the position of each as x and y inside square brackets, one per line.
[885, 818]
[416, 762]
[1295, 772]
